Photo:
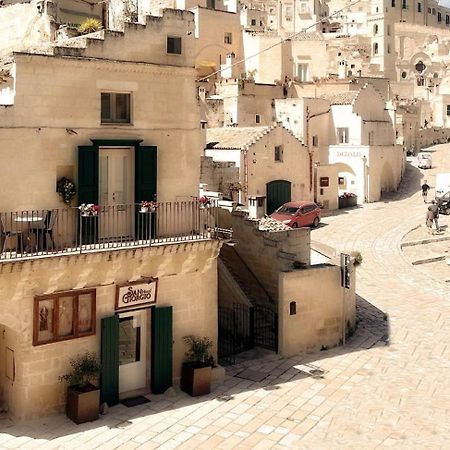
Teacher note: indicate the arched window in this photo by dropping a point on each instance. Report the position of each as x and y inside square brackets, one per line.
[447, 19]
[375, 29]
[375, 48]
[388, 48]
[388, 30]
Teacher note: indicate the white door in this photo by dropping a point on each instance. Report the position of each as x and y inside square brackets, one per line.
[132, 350]
[116, 193]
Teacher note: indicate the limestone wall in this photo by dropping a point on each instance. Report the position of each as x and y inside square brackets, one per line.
[23, 27]
[267, 253]
[57, 108]
[153, 32]
[187, 280]
[218, 175]
[263, 168]
[318, 322]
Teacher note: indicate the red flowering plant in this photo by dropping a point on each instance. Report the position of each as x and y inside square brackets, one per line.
[347, 195]
[89, 209]
[148, 204]
[204, 201]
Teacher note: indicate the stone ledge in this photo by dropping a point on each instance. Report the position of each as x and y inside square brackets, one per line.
[424, 241]
[428, 260]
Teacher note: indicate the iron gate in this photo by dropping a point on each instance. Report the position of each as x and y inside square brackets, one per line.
[265, 323]
[242, 327]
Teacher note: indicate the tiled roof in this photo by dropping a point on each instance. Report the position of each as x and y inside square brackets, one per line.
[341, 98]
[234, 137]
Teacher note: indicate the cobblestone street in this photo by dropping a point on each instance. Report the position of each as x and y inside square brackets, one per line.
[389, 387]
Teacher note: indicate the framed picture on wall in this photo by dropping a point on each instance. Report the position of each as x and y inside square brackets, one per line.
[44, 314]
[86, 314]
[64, 315]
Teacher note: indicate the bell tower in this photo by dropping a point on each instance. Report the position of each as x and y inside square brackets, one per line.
[381, 24]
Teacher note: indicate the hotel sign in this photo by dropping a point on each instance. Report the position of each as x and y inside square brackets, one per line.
[350, 154]
[136, 295]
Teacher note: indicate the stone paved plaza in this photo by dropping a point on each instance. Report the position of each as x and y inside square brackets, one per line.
[389, 387]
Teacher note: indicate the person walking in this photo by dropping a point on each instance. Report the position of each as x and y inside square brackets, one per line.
[425, 189]
[435, 209]
[429, 220]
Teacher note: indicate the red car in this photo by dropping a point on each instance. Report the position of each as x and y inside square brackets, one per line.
[298, 214]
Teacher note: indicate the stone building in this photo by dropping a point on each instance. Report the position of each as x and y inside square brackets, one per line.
[363, 144]
[274, 166]
[123, 127]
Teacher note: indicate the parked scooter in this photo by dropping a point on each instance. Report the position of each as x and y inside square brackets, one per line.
[443, 204]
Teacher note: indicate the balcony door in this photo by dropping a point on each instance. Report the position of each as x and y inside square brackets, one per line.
[116, 193]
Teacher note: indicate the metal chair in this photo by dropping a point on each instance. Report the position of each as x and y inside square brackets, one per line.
[6, 234]
[45, 229]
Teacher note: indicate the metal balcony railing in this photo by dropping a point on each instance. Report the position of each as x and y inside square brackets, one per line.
[29, 234]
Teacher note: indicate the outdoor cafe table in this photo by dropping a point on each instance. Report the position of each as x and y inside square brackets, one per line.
[28, 220]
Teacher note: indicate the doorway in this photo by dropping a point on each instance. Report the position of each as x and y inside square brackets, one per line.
[278, 193]
[133, 336]
[116, 193]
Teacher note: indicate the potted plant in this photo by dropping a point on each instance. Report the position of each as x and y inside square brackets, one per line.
[66, 189]
[204, 201]
[196, 370]
[347, 199]
[89, 209]
[147, 206]
[83, 394]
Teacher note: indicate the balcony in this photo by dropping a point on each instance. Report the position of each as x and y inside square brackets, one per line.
[64, 231]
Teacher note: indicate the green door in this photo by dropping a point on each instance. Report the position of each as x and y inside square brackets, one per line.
[88, 191]
[278, 193]
[110, 360]
[145, 173]
[146, 165]
[161, 341]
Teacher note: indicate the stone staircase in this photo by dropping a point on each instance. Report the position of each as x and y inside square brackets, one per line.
[244, 277]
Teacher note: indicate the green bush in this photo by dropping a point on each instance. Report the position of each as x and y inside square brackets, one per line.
[85, 371]
[90, 26]
[199, 350]
[357, 257]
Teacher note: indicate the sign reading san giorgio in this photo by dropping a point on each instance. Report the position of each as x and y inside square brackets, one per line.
[136, 295]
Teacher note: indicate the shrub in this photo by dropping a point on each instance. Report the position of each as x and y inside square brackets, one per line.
[85, 371]
[199, 350]
[89, 26]
[357, 258]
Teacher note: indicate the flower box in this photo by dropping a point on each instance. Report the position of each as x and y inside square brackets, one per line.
[347, 201]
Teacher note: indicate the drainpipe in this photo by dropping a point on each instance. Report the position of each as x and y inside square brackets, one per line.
[311, 152]
[245, 187]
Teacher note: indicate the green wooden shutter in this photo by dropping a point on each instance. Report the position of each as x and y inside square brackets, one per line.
[145, 173]
[110, 360]
[88, 190]
[88, 174]
[161, 360]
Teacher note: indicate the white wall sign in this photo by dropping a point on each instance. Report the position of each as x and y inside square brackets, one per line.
[139, 294]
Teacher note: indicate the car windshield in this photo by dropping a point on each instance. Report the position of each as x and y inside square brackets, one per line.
[424, 156]
[289, 210]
